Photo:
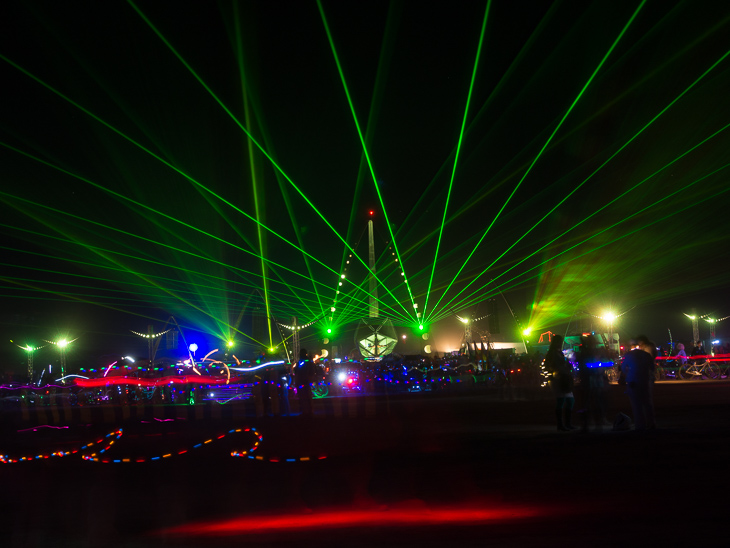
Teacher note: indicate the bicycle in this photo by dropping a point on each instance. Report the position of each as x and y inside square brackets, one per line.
[697, 371]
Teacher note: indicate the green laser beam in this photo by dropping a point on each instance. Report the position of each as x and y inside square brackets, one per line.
[547, 142]
[626, 144]
[365, 152]
[636, 213]
[263, 151]
[458, 150]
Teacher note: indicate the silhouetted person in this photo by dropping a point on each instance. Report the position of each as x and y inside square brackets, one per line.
[303, 376]
[639, 367]
[561, 382]
[592, 383]
[699, 351]
[681, 355]
[283, 382]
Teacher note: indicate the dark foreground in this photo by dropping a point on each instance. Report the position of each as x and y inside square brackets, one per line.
[435, 470]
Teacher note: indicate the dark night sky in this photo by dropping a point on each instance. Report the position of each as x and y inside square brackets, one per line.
[146, 159]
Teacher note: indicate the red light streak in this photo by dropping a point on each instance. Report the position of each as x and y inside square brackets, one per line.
[357, 518]
[148, 383]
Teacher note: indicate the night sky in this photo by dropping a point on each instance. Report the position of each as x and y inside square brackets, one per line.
[141, 141]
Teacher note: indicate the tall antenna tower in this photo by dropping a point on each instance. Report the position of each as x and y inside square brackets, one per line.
[373, 286]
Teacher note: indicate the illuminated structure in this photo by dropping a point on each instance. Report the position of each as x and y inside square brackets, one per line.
[468, 323]
[372, 282]
[375, 338]
[295, 328]
[695, 327]
[713, 323]
[153, 339]
[62, 344]
[29, 349]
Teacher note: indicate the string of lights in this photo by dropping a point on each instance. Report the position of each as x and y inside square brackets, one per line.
[6, 459]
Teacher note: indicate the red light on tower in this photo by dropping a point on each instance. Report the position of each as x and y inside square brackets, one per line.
[372, 213]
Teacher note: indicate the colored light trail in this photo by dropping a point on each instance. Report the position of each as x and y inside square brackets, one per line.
[109, 439]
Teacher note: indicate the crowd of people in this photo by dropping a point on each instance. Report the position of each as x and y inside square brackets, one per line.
[637, 374]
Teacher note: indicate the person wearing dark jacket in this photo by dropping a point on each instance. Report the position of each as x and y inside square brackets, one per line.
[638, 365]
[561, 383]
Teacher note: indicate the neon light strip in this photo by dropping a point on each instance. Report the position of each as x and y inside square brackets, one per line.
[35, 428]
[108, 368]
[256, 367]
[69, 376]
[148, 383]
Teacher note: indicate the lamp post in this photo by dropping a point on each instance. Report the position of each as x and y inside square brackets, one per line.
[29, 349]
[62, 345]
[526, 332]
[695, 327]
[610, 317]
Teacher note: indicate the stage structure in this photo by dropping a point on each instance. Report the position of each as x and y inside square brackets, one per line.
[153, 339]
[375, 338]
[295, 328]
[468, 325]
[29, 349]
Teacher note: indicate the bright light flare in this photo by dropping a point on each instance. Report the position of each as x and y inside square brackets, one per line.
[609, 317]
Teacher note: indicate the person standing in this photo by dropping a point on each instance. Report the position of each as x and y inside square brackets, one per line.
[561, 383]
[681, 355]
[283, 382]
[592, 379]
[303, 376]
[639, 367]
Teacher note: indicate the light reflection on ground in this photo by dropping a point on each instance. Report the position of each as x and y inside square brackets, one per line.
[354, 518]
